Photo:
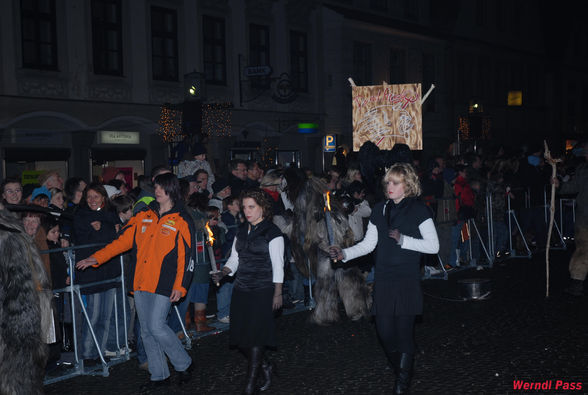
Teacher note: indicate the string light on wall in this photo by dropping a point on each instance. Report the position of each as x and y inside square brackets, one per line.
[217, 119]
[170, 124]
[464, 127]
[486, 128]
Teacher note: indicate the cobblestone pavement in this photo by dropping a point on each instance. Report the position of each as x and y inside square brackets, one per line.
[465, 346]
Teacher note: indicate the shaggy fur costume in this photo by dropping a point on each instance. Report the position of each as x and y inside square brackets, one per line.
[25, 298]
[309, 242]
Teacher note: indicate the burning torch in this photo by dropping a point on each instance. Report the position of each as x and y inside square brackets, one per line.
[209, 244]
[327, 209]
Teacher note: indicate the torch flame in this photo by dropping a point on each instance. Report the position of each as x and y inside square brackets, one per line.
[210, 234]
[328, 200]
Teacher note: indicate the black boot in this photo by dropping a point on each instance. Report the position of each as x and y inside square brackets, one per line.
[255, 357]
[393, 359]
[267, 368]
[576, 288]
[405, 363]
[306, 295]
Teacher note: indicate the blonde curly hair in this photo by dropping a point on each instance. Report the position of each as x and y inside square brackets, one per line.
[408, 175]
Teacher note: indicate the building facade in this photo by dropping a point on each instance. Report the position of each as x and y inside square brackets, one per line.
[83, 84]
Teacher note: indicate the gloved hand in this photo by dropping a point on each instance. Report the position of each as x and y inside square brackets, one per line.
[336, 253]
[395, 234]
[217, 276]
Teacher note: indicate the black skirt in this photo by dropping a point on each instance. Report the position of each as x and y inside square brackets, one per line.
[397, 297]
[252, 318]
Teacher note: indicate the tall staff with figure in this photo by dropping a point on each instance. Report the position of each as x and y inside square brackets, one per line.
[160, 236]
[401, 229]
[257, 261]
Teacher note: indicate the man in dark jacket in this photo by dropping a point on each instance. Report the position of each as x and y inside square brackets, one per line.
[238, 176]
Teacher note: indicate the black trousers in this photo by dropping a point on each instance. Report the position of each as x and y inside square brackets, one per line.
[396, 333]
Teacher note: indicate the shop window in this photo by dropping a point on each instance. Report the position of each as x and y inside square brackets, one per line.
[38, 30]
[107, 37]
[164, 44]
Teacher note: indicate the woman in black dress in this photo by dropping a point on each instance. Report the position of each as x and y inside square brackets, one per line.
[257, 259]
[401, 228]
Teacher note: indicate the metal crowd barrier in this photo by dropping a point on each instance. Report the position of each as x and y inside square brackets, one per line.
[487, 244]
[75, 295]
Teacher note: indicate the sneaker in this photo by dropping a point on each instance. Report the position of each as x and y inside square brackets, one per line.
[225, 320]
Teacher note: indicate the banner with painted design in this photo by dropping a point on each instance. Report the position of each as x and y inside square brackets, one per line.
[386, 115]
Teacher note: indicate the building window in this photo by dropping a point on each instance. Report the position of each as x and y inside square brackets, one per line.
[299, 61]
[164, 44]
[215, 63]
[397, 70]
[481, 13]
[259, 53]
[379, 5]
[500, 15]
[39, 41]
[362, 63]
[411, 9]
[107, 37]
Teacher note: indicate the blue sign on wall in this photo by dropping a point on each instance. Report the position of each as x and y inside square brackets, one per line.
[329, 143]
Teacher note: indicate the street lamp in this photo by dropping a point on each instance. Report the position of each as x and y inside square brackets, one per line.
[195, 86]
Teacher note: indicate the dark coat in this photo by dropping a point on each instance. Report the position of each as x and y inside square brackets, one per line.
[84, 233]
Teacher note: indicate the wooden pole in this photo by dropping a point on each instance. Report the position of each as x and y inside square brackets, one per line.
[553, 163]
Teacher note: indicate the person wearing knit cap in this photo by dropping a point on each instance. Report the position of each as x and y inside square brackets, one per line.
[189, 167]
[221, 189]
[41, 196]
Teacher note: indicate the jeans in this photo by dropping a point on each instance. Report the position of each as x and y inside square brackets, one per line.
[112, 344]
[223, 298]
[100, 307]
[158, 338]
[500, 236]
[456, 244]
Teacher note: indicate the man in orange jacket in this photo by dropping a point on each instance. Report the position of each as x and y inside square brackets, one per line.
[160, 237]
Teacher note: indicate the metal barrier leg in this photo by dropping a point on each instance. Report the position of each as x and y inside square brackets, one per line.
[513, 253]
[188, 345]
[104, 364]
[490, 259]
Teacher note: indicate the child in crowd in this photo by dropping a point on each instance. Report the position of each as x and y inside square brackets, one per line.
[232, 218]
[57, 199]
[60, 278]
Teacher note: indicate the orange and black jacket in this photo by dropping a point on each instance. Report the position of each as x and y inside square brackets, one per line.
[161, 247]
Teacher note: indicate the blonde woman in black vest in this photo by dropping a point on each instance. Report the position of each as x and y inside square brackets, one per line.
[400, 229]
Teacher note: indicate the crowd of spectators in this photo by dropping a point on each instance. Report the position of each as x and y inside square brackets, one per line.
[58, 214]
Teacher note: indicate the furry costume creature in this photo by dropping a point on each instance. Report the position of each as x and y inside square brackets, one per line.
[25, 311]
[309, 242]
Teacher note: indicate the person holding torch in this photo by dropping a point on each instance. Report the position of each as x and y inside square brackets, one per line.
[160, 236]
[401, 229]
[257, 261]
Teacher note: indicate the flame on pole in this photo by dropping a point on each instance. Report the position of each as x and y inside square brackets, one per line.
[210, 243]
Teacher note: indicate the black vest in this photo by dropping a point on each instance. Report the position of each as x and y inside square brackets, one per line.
[393, 262]
[255, 266]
